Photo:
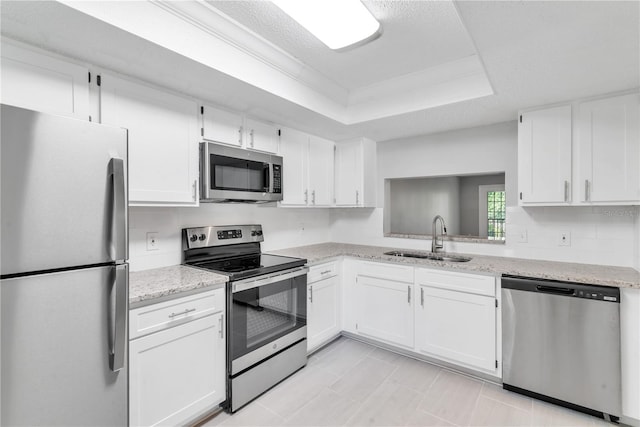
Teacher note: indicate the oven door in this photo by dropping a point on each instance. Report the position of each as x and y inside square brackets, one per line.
[266, 315]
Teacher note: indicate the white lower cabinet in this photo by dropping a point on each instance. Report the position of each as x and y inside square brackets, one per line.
[454, 325]
[384, 303]
[323, 305]
[178, 373]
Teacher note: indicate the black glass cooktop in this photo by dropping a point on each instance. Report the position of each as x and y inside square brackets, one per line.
[251, 265]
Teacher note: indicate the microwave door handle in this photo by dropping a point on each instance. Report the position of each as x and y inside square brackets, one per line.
[268, 179]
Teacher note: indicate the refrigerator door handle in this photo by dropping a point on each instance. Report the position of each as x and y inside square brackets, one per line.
[119, 327]
[119, 219]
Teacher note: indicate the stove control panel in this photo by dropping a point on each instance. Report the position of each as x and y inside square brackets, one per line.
[204, 237]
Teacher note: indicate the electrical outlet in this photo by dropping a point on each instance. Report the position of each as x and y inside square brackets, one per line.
[152, 241]
[564, 238]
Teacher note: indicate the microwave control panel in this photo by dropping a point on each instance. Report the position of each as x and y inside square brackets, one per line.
[277, 178]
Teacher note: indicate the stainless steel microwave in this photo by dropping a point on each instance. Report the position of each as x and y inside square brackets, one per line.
[229, 174]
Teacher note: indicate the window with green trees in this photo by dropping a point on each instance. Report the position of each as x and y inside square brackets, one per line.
[496, 214]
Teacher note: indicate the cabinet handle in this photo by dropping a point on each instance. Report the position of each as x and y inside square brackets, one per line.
[586, 190]
[251, 135]
[240, 135]
[566, 191]
[313, 197]
[310, 293]
[357, 196]
[306, 196]
[221, 323]
[409, 294]
[422, 297]
[195, 189]
[187, 311]
[325, 272]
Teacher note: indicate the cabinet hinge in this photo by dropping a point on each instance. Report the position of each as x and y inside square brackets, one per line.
[89, 118]
[99, 80]
[496, 364]
[279, 132]
[521, 195]
[201, 110]
[496, 303]
[89, 76]
[520, 118]
[201, 131]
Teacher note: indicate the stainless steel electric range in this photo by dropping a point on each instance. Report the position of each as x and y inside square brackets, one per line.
[266, 307]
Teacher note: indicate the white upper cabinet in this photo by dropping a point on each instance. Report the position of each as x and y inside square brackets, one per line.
[355, 176]
[163, 141]
[608, 144]
[321, 152]
[544, 156]
[221, 126]
[261, 136]
[590, 158]
[294, 149]
[43, 83]
[308, 169]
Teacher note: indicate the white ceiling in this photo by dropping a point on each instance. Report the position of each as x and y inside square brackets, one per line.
[533, 53]
[416, 35]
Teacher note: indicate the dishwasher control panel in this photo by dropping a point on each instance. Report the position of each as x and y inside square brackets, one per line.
[566, 289]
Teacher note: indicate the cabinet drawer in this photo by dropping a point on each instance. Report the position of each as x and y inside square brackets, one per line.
[156, 317]
[322, 271]
[464, 282]
[397, 273]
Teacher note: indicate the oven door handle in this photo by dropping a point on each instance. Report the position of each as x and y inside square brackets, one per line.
[243, 285]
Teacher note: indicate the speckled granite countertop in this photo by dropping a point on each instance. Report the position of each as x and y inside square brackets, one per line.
[621, 277]
[167, 281]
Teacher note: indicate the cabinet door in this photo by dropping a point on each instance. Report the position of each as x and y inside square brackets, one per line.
[178, 374]
[457, 327]
[323, 322]
[544, 156]
[321, 153]
[221, 126]
[385, 310]
[609, 147]
[348, 173]
[261, 136]
[42, 83]
[294, 147]
[163, 141]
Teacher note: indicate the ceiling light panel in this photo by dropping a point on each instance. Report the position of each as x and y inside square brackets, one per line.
[336, 23]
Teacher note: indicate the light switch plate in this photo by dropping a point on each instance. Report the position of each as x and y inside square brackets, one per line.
[564, 238]
[522, 236]
[152, 241]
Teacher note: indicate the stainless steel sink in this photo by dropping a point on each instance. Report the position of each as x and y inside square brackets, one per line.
[432, 256]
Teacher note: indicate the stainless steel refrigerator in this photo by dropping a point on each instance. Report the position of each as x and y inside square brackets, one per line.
[64, 284]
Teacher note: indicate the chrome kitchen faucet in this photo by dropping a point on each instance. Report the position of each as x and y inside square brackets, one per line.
[434, 234]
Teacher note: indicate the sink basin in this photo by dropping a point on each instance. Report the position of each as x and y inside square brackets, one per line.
[430, 255]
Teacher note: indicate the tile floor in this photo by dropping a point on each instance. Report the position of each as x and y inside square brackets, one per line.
[349, 383]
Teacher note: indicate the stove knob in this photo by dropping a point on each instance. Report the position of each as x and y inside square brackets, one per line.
[193, 238]
[254, 233]
[202, 237]
[259, 232]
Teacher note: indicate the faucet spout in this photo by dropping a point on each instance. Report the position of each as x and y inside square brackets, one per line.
[435, 245]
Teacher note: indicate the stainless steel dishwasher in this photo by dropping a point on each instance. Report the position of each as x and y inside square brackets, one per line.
[561, 343]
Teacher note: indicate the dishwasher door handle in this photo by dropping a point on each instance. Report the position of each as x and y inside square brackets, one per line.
[555, 290]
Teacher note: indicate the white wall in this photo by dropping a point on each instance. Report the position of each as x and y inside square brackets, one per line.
[599, 235]
[283, 227]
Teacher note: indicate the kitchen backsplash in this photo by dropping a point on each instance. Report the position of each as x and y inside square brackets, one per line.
[283, 227]
[598, 235]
